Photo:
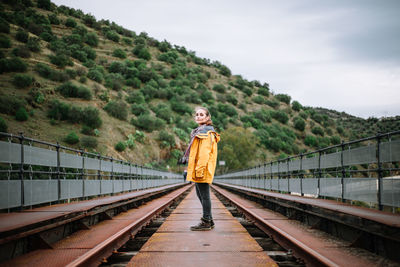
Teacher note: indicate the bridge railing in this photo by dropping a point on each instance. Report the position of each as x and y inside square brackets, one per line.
[35, 172]
[365, 170]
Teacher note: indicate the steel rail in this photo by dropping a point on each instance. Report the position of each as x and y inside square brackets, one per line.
[94, 256]
[299, 249]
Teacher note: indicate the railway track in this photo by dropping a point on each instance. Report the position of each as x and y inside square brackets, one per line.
[157, 233]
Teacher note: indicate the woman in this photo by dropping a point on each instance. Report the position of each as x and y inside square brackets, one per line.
[201, 156]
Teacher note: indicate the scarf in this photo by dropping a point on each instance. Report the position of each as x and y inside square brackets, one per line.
[185, 158]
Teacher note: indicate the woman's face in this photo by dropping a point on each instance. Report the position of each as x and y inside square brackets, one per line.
[201, 116]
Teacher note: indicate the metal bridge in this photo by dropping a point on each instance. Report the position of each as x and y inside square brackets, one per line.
[337, 206]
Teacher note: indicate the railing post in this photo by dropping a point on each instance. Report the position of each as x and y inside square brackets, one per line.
[319, 173]
[272, 176]
[112, 175]
[288, 175]
[343, 169]
[265, 174]
[58, 173]
[99, 172]
[301, 174]
[279, 177]
[130, 176]
[21, 170]
[380, 174]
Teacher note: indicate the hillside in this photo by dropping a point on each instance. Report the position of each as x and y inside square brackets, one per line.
[66, 76]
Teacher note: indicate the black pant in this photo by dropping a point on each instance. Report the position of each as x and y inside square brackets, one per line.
[203, 193]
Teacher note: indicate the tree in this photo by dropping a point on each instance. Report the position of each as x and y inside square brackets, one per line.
[237, 147]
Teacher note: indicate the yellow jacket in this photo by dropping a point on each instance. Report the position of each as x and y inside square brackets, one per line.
[203, 156]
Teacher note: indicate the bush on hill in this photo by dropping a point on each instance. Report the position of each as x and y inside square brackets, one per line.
[22, 80]
[3, 125]
[14, 64]
[5, 41]
[280, 116]
[283, 98]
[148, 123]
[22, 36]
[69, 89]
[119, 53]
[117, 109]
[72, 138]
[21, 114]
[299, 123]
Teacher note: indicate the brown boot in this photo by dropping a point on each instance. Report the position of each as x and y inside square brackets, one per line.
[204, 225]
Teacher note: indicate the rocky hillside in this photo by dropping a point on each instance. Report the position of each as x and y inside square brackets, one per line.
[66, 76]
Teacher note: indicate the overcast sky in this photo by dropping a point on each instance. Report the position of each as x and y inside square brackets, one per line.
[336, 54]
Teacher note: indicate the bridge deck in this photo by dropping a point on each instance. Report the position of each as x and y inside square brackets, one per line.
[228, 244]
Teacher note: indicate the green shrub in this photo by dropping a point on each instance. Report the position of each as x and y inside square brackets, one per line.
[164, 112]
[120, 146]
[323, 142]
[296, 106]
[148, 123]
[61, 59]
[224, 70]
[135, 97]
[207, 96]
[48, 37]
[53, 19]
[167, 140]
[263, 91]
[141, 52]
[340, 130]
[139, 136]
[45, 4]
[263, 115]
[117, 109]
[303, 114]
[22, 80]
[91, 117]
[95, 75]
[119, 53]
[139, 109]
[220, 88]
[311, 141]
[317, 131]
[14, 64]
[180, 107]
[87, 130]
[114, 81]
[69, 89]
[22, 36]
[283, 98]
[89, 142]
[335, 140]
[3, 125]
[231, 99]
[272, 103]
[127, 41]
[4, 26]
[10, 104]
[5, 41]
[21, 51]
[280, 116]
[258, 99]
[72, 138]
[317, 117]
[113, 36]
[21, 114]
[299, 124]
[91, 39]
[70, 23]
